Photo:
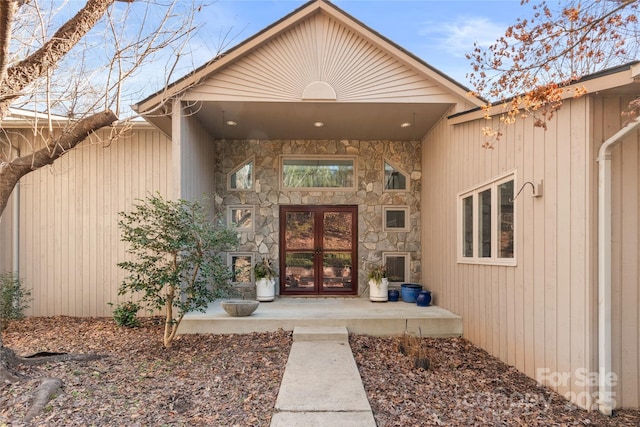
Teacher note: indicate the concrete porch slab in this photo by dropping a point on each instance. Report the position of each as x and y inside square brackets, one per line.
[358, 315]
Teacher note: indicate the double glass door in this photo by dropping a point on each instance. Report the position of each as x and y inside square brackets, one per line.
[318, 250]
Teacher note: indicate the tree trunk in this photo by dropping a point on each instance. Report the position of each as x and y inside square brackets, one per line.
[8, 361]
[7, 11]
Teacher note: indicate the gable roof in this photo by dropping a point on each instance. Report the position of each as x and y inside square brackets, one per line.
[326, 62]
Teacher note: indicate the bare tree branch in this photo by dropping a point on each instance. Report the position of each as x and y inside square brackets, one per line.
[38, 64]
[538, 58]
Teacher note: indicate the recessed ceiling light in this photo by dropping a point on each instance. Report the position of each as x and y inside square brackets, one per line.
[405, 125]
[318, 124]
[231, 123]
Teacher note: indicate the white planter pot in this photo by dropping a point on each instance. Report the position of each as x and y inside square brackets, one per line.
[265, 289]
[379, 291]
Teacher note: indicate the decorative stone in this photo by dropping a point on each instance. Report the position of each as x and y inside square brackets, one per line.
[239, 307]
[369, 194]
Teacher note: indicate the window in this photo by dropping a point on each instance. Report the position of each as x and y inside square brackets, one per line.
[241, 267]
[241, 178]
[241, 217]
[486, 226]
[397, 264]
[309, 172]
[394, 178]
[396, 218]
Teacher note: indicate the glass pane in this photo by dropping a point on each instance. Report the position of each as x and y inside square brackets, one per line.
[299, 234]
[318, 173]
[242, 179]
[337, 230]
[395, 218]
[396, 268]
[299, 271]
[241, 268]
[467, 226]
[242, 218]
[484, 224]
[505, 220]
[336, 269]
[394, 179]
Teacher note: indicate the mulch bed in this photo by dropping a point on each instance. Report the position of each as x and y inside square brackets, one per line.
[465, 386]
[233, 380]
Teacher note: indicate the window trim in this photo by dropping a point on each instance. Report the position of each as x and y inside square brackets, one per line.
[407, 178]
[237, 168]
[407, 264]
[493, 185]
[251, 256]
[407, 218]
[230, 222]
[284, 157]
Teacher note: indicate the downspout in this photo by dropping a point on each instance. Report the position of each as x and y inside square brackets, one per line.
[606, 401]
[15, 235]
[15, 256]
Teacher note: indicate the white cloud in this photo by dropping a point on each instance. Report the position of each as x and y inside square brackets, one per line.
[456, 38]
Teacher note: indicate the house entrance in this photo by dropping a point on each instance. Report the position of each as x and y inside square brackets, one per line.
[318, 250]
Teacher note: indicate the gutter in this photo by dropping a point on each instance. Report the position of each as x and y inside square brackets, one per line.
[606, 402]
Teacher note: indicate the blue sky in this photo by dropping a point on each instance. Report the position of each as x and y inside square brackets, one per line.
[439, 32]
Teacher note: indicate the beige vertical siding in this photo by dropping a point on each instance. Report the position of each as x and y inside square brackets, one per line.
[6, 237]
[625, 245]
[539, 313]
[195, 152]
[70, 241]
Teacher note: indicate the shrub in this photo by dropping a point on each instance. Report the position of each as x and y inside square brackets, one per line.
[125, 314]
[14, 299]
[176, 264]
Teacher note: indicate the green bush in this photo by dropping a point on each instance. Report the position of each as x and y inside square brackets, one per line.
[125, 314]
[14, 299]
[176, 263]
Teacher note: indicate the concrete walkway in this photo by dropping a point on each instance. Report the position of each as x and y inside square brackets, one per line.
[321, 385]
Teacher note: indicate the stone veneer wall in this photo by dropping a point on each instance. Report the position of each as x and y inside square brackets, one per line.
[369, 196]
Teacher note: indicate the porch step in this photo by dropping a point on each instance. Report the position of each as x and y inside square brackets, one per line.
[326, 333]
[321, 385]
[360, 316]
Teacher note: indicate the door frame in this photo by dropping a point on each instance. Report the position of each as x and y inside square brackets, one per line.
[318, 251]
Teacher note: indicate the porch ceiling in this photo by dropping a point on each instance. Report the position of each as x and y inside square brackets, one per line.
[295, 120]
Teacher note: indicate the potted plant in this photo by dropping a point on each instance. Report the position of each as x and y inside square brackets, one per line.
[265, 280]
[378, 284]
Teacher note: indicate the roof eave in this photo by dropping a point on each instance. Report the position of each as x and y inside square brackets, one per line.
[618, 76]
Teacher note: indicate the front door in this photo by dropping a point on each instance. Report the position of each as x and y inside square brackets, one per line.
[318, 250]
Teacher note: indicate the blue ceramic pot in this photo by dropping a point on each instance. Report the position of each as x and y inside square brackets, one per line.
[394, 295]
[410, 291]
[423, 299]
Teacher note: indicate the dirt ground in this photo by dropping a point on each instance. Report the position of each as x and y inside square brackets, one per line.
[233, 380]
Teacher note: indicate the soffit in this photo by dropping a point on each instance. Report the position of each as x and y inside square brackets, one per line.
[285, 120]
